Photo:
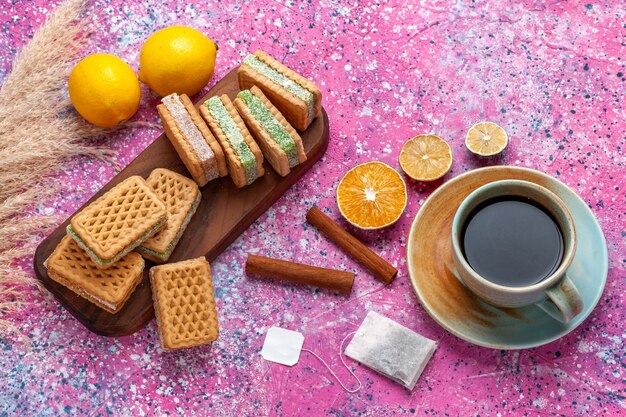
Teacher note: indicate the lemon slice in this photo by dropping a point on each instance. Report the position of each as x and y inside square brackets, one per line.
[426, 157]
[486, 139]
[372, 195]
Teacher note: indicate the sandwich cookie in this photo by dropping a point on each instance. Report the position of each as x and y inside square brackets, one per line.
[184, 303]
[243, 156]
[118, 221]
[109, 289]
[279, 141]
[297, 98]
[192, 139]
[181, 197]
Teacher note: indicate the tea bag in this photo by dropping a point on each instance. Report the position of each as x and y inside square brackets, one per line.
[391, 349]
[284, 346]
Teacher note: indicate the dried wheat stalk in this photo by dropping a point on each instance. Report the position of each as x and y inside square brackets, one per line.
[38, 135]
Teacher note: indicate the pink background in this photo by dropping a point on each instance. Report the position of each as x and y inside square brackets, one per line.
[551, 73]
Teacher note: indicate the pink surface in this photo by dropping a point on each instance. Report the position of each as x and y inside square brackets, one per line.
[551, 74]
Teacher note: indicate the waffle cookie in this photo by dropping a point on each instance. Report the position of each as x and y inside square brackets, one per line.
[243, 156]
[109, 289]
[118, 221]
[297, 98]
[192, 139]
[184, 303]
[279, 141]
[181, 197]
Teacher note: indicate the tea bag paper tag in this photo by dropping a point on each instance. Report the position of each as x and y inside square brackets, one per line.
[282, 346]
[391, 349]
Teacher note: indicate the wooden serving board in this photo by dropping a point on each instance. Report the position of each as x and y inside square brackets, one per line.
[224, 213]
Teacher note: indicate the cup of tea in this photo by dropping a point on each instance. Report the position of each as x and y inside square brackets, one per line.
[513, 242]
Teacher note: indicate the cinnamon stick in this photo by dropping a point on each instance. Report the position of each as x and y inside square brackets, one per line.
[355, 248]
[291, 271]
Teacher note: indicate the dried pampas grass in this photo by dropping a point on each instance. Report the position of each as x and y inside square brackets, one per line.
[39, 133]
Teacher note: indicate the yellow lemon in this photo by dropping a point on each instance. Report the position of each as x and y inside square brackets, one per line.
[104, 90]
[177, 59]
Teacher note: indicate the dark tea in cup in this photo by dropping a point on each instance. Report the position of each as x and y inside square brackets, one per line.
[512, 244]
[512, 241]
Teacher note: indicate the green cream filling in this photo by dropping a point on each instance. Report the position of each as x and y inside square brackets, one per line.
[164, 256]
[70, 231]
[290, 85]
[276, 131]
[234, 136]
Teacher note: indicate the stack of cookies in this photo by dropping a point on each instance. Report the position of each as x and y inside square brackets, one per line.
[95, 259]
[100, 258]
[260, 124]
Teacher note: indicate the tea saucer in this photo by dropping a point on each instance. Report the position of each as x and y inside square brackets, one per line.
[449, 303]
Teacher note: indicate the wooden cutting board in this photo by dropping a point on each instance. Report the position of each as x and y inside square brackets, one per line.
[224, 213]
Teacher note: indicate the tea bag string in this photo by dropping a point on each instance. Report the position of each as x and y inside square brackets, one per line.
[344, 364]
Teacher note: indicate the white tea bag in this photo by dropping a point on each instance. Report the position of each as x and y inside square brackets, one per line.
[282, 346]
[391, 349]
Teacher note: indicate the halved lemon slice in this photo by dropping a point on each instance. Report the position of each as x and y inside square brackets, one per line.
[426, 157]
[486, 139]
[372, 195]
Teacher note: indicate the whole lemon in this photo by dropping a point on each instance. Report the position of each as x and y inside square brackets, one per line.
[104, 90]
[177, 59]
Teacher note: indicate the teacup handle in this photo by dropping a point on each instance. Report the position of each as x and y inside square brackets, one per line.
[564, 301]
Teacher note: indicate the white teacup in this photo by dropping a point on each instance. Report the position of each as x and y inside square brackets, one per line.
[556, 294]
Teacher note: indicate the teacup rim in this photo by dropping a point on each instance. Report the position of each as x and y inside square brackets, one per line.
[544, 284]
